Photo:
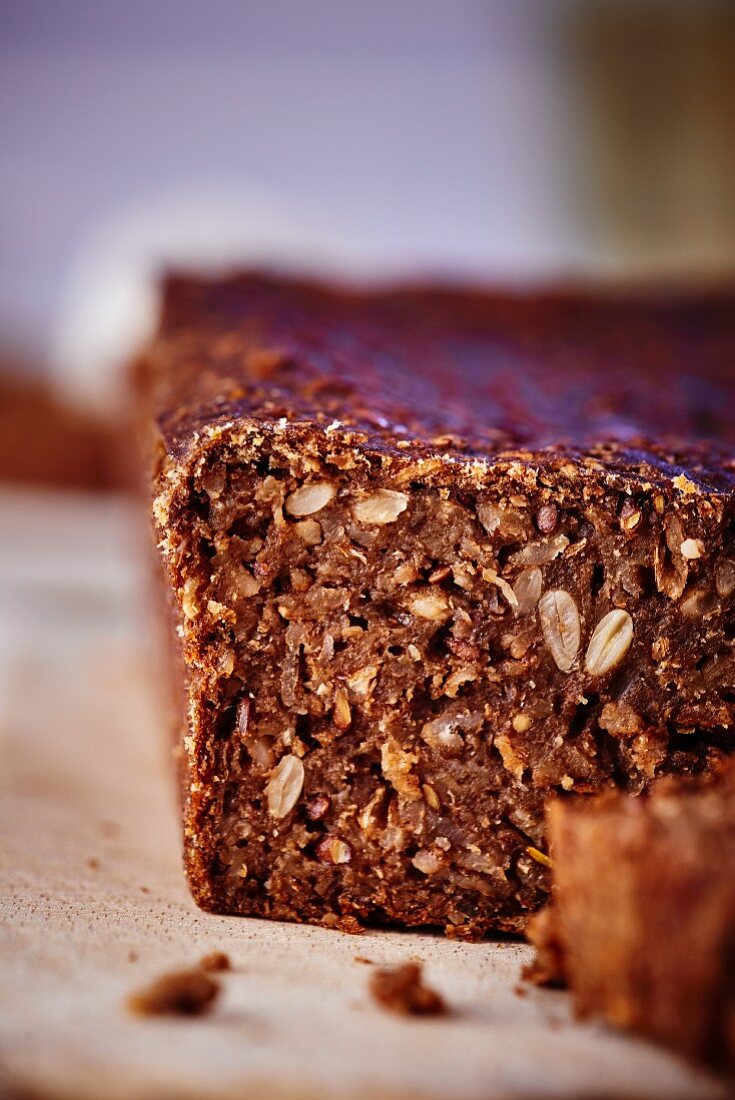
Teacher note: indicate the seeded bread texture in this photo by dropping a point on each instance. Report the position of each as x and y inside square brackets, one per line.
[430, 564]
[642, 925]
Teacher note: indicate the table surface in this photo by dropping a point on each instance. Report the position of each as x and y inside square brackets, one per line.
[93, 903]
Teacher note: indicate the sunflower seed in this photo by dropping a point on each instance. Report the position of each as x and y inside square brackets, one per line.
[560, 627]
[310, 498]
[285, 786]
[609, 643]
[380, 508]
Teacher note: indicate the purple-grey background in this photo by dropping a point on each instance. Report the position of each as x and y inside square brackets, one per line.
[412, 133]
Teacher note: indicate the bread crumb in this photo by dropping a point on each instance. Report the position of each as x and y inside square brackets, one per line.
[401, 989]
[183, 993]
[547, 967]
[350, 925]
[214, 962]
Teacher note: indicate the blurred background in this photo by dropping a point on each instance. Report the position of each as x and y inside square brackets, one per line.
[512, 140]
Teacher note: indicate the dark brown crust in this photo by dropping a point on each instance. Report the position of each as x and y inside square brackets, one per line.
[419, 791]
[642, 925]
[436, 370]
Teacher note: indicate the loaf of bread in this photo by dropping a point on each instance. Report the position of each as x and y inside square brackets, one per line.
[433, 556]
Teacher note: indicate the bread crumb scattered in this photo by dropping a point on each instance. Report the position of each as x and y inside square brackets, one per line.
[547, 966]
[214, 962]
[183, 993]
[401, 989]
[350, 925]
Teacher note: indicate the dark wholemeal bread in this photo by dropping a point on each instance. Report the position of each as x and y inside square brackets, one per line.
[434, 555]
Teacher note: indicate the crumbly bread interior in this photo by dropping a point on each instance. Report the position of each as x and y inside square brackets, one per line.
[393, 665]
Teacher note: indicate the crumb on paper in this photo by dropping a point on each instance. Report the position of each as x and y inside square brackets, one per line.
[214, 962]
[183, 993]
[401, 989]
[547, 967]
[348, 924]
